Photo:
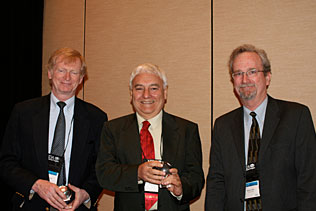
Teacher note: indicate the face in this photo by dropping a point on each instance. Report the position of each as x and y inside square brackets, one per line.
[148, 95]
[252, 91]
[65, 78]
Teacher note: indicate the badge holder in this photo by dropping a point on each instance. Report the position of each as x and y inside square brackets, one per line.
[55, 164]
[252, 182]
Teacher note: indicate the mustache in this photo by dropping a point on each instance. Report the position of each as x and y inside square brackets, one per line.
[246, 85]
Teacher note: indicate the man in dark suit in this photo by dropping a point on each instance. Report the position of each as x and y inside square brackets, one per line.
[282, 175]
[123, 166]
[29, 135]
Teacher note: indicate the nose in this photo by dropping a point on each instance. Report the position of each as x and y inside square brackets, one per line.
[146, 93]
[244, 77]
[67, 75]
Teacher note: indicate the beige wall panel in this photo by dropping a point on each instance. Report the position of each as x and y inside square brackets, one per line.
[172, 34]
[176, 36]
[63, 27]
[285, 29]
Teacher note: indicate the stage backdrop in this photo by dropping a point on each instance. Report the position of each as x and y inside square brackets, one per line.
[116, 36]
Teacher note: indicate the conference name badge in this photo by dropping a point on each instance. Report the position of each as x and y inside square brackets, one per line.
[252, 189]
[150, 187]
[55, 164]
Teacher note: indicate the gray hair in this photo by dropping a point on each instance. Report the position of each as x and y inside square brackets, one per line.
[148, 68]
[250, 48]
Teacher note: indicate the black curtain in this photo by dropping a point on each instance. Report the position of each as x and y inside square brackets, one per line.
[22, 73]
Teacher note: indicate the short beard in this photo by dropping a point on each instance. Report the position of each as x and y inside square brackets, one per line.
[248, 96]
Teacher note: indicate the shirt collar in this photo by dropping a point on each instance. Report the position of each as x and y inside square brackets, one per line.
[260, 111]
[69, 103]
[154, 122]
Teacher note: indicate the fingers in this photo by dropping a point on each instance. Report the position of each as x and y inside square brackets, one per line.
[173, 182]
[173, 171]
[73, 188]
[173, 178]
[50, 193]
[56, 198]
[69, 207]
[81, 196]
[147, 172]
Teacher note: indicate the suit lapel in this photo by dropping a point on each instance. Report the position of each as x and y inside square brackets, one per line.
[81, 125]
[170, 138]
[272, 118]
[130, 136]
[40, 131]
[238, 136]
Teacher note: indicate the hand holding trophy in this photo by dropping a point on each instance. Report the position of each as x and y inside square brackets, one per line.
[165, 168]
[67, 191]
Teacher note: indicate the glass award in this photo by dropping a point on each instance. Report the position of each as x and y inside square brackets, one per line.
[165, 168]
[66, 191]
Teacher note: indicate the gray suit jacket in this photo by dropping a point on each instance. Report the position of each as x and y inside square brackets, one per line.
[24, 155]
[287, 160]
[120, 156]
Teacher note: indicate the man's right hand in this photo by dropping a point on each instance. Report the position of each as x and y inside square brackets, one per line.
[50, 193]
[148, 174]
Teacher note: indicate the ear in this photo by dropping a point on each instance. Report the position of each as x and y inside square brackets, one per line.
[81, 78]
[268, 78]
[165, 92]
[130, 92]
[50, 74]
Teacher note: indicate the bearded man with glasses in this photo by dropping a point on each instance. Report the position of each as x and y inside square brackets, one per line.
[263, 153]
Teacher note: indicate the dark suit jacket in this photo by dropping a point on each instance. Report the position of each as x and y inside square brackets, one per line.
[120, 156]
[24, 156]
[287, 160]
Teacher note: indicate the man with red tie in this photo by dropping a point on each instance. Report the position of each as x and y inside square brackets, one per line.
[133, 146]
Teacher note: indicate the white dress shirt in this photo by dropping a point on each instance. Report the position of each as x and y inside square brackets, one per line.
[53, 115]
[155, 130]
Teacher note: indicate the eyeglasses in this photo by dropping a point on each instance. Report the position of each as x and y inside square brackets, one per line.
[250, 73]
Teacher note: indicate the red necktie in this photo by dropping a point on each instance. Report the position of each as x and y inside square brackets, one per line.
[147, 143]
[148, 153]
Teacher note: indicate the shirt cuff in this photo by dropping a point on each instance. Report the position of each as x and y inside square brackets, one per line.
[87, 203]
[177, 197]
[31, 194]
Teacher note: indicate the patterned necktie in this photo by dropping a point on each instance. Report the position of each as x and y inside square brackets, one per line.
[58, 145]
[148, 153]
[253, 204]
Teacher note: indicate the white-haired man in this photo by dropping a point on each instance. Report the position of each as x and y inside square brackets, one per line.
[127, 166]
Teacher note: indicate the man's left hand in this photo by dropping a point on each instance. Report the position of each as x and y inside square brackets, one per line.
[173, 182]
[80, 196]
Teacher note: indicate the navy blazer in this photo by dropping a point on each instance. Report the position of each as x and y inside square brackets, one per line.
[24, 155]
[120, 156]
[287, 160]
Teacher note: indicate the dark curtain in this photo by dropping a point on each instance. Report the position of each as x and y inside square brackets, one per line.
[22, 73]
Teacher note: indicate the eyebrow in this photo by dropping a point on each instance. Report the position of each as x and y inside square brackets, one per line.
[144, 85]
[251, 68]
